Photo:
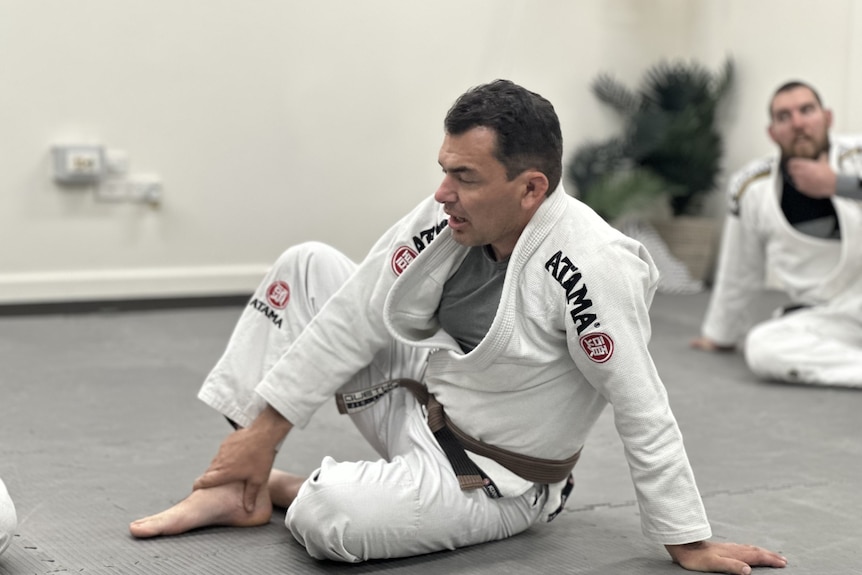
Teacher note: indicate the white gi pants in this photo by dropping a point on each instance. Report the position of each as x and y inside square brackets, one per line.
[406, 503]
[8, 519]
[817, 345]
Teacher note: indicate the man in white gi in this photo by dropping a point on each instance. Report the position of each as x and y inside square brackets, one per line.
[8, 518]
[800, 216]
[521, 312]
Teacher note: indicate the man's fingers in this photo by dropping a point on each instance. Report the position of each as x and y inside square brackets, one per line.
[250, 493]
[796, 165]
[761, 557]
[719, 564]
[733, 566]
[745, 555]
[210, 478]
[201, 482]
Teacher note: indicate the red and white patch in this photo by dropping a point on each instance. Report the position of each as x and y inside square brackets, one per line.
[278, 294]
[402, 258]
[599, 346]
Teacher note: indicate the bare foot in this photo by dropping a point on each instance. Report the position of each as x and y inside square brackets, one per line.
[220, 505]
[283, 487]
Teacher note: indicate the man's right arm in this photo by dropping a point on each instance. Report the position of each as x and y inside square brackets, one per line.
[324, 356]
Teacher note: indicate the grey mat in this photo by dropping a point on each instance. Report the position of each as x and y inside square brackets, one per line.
[99, 425]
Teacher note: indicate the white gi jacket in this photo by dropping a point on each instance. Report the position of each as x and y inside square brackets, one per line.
[812, 271]
[570, 336]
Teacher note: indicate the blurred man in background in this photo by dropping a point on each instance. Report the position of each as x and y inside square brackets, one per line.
[798, 215]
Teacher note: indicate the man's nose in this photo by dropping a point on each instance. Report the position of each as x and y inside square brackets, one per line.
[797, 120]
[445, 193]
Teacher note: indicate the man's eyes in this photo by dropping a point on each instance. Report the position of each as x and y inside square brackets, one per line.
[804, 110]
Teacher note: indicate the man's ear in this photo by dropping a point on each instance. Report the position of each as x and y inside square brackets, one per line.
[828, 115]
[770, 133]
[535, 188]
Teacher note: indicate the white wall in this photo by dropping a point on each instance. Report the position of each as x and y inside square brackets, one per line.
[277, 121]
[773, 41]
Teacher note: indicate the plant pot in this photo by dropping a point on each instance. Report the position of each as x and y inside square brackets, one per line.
[694, 241]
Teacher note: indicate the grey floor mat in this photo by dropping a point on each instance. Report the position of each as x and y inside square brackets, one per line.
[99, 425]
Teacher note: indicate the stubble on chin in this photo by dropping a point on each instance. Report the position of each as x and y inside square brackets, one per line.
[806, 147]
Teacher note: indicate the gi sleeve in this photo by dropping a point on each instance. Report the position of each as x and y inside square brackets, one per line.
[741, 271]
[611, 352]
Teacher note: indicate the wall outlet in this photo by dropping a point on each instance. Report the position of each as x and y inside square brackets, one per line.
[145, 189]
[116, 162]
[138, 188]
[78, 163]
[113, 190]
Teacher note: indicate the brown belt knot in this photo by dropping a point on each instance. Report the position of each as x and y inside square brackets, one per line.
[453, 441]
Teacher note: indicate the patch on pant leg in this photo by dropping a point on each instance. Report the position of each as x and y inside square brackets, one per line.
[278, 294]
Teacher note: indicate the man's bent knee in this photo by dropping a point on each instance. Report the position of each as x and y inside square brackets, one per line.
[311, 255]
[771, 353]
[759, 354]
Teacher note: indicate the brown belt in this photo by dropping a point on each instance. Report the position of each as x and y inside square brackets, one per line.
[453, 441]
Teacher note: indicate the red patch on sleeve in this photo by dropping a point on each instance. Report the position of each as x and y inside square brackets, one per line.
[599, 347]
[402, 258]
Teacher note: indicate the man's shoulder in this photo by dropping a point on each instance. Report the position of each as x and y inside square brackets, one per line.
[748, 177]
[752, 172]
[848, 148]
[593, 244]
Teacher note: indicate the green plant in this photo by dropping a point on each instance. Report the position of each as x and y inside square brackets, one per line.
[670, 149]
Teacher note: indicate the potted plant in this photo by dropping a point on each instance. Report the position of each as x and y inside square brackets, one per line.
[667, 159]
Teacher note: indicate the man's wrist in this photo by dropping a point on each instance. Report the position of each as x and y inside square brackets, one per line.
[676, 551]
[272, 425]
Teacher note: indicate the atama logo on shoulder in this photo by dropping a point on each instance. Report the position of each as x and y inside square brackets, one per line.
[599, 346]
[402, 258]
[278, 294]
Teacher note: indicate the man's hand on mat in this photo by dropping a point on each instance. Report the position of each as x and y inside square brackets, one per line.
[706, 344]
[247, 455]
[716, 557]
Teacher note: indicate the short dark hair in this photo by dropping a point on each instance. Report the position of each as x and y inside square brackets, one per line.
[527, 127]
[792, 85]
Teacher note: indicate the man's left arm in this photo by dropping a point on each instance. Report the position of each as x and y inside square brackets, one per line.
[670, 504]
[848, 186]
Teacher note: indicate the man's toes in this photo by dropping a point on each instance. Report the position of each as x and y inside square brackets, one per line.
[146, 527]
